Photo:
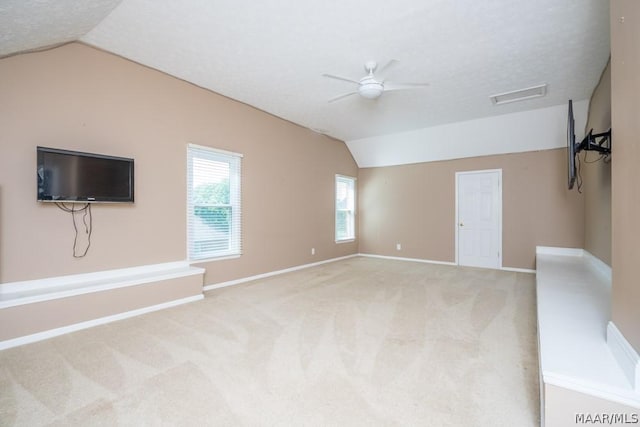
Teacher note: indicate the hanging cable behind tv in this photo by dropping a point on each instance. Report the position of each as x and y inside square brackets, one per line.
[87, 221]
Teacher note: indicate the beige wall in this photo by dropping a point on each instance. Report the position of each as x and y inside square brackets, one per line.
[625, 197]
[415, 205]
[597, 176]
[80, 98]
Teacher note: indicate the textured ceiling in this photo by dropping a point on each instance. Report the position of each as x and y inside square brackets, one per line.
[33, 24]
[271, 54]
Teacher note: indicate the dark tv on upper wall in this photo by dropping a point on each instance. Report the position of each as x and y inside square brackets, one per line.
[598, 142]
[571, 147]
[73, 176]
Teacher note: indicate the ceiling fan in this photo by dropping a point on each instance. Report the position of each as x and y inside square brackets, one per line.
[371, 87]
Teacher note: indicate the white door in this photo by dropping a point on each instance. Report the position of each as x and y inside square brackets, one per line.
[479, 218]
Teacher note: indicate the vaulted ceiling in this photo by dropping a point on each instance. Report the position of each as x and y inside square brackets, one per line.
[271, 54]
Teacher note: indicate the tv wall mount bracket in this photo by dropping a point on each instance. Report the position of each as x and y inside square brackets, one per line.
[600, 142]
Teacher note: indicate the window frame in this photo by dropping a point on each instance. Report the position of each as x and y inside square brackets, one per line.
[235, 203]
[350, 180]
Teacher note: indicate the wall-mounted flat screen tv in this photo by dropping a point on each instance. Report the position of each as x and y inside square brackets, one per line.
[72, 176]
[571, 148]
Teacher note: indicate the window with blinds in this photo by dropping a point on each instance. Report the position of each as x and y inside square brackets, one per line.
[213, 203]
[345, 208]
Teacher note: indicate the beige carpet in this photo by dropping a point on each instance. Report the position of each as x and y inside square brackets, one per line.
[357, 342]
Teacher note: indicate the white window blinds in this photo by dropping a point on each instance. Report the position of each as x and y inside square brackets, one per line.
[345, 208]
[214, 218]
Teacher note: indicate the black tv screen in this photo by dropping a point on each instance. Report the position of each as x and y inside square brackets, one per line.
[571, 148]
[72, 176]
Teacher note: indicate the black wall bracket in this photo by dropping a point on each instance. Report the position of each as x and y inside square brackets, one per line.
[600, 142]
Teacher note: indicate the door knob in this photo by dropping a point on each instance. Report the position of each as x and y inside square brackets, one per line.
[461, 224]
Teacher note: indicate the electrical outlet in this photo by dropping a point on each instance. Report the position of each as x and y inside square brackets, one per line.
[313, 251]
[398, 246]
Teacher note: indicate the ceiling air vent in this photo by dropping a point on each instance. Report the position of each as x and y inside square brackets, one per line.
[519, 95]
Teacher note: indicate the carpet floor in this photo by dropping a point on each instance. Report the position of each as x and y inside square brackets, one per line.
[362, 341]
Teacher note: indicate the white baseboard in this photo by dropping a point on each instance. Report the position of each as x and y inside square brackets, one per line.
[552, 250]
[625, 354]
[28, 339]
[427, 261]
[613, 394]
[518, 270]
[598, 265]
[300, 267]
[272, 273]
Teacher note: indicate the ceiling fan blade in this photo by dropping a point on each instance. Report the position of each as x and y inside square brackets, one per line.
[403, 86]
[387, 66]
[331, 76]
[337, 98]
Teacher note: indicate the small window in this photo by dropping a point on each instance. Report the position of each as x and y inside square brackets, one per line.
[213, 203]
[345, 208]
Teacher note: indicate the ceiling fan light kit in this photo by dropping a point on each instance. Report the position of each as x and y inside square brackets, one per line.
[369, 86]
[370, 89]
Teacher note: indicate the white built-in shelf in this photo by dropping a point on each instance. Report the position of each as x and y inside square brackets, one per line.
[574, 308]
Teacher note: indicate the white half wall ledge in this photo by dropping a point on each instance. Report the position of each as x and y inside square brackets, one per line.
[573, 310]
[47, 289]
[533, 130]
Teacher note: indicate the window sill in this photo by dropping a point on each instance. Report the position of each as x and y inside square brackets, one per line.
[212, 259]
[345, 241]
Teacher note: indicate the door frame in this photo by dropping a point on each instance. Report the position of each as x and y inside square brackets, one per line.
[499, 171]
